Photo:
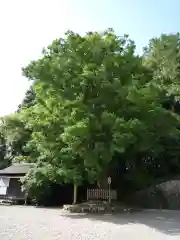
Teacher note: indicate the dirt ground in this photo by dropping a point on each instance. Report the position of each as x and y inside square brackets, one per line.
[30, 223]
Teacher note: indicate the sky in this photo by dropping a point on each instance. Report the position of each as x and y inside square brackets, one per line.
[26, 26]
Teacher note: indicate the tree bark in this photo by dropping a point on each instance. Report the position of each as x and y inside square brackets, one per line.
[103, 181]
[75, 194]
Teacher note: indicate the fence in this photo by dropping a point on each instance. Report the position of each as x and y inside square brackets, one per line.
[101, 194]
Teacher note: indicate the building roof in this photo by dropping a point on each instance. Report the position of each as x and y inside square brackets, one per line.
[18, 168]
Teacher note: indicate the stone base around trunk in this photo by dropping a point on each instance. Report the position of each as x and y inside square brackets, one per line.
[97, 207]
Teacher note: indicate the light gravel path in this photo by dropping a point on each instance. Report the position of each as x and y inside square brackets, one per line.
[29, 223]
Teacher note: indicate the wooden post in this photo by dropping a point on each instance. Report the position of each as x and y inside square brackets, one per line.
[26, 199]
[75, 194]
[109, 183]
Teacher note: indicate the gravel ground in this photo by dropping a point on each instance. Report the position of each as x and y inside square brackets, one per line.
[29, 223]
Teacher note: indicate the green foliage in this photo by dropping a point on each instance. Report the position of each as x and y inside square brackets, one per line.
[94, 99]
[29, 99]
[162, 56]
[94, 103]
[3, 149]
[36, 182]
[16, 135]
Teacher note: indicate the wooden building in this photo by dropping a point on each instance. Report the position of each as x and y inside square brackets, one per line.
[10, 185]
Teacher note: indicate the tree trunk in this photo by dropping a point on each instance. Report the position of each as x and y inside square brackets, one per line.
[75, 194]
[103, 181]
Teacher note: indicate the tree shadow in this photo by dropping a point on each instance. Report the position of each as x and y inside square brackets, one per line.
[165, 221]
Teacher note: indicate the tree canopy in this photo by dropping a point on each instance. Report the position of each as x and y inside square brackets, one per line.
[93, 101]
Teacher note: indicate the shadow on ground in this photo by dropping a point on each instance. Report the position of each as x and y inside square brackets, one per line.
[167, 222]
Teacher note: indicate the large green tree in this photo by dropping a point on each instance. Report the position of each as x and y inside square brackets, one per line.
[94, 100]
